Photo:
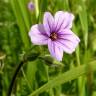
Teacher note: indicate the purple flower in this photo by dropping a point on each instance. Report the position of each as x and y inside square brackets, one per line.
[30, 6]
[56, 33]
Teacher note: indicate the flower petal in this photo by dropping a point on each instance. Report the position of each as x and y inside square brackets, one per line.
[38, 35]
[55, 51]
[63, 20]
[68, 41]
[48, 23]
[67, 33]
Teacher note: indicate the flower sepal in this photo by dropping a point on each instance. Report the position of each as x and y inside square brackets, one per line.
[51, 61]
[31, 56]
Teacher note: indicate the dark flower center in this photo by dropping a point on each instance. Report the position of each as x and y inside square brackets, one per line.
[53, 36]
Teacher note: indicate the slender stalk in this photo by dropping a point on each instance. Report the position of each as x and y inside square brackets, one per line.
[37, 9]
[81, 79]
[89, 81]
[14, 76]
[28, 57]
[24, 75]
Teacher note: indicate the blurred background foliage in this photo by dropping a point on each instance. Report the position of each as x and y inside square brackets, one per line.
[15, 23]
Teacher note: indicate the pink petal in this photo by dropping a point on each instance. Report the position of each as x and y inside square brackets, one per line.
[37, 35]
[63, 20]
[55, 51]
[48, 22]
[68, 41]
[65, 48]
[68, 34]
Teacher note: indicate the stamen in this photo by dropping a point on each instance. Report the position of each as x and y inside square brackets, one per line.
[53, 36]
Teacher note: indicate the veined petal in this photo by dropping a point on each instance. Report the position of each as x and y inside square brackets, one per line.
[48, 23]
[68, 41]
[68, 34]
[65, 48]
[63, 20]
[68, 21]
[38, 35]
[55, 51]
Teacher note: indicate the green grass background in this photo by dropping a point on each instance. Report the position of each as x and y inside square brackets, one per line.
[74, 76]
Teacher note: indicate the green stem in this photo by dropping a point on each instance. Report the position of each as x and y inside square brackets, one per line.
[26, 58]
[37, 8]
[81, 79]
[14, 76]
[26, 79]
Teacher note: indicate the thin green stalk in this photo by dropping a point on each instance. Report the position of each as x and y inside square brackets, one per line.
[37, 8]
[24, 60]
[14, 77]
[84, 25]
[80, 80]
[28, 83]
[84, 22]
[50, 90]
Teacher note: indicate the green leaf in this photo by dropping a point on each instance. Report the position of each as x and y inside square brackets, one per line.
[42, 70]
[31, 70]
[24, 12]
[84, 23]
[21, 23]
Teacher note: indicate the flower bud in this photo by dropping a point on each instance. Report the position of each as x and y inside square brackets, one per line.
[51, 62]
[31, 56]
[30, 6]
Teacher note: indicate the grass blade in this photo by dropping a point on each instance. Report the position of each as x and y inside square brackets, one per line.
[72, 74]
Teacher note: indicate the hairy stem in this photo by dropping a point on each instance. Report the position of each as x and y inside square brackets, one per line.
[14, 76]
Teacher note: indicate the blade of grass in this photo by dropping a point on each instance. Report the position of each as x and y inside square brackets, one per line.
[37, 9]
[21, 23]
[72, 74]
[24, 12]
[84, 22]
[30, 72]
[80, 80]
[66, 5]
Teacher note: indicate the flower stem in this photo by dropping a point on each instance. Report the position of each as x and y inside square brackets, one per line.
[29, 56]
[14, 76]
